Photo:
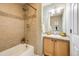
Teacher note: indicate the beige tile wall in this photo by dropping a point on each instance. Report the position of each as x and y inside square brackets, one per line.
[33, 33]
[11, 25]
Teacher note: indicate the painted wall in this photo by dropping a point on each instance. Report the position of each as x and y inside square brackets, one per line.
[67, 19]
[78, 18]
[46, 18]
[11, 25]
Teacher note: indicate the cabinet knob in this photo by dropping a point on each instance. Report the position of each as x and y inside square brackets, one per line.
[52, 40]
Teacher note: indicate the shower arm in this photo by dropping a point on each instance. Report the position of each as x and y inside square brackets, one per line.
[31, 6]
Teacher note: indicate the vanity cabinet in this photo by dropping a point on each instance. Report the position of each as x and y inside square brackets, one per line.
[61, 48]
[56, 47]
[49, 46]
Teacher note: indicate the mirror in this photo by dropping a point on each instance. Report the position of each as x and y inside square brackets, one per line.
[56, 19]
[53, 18]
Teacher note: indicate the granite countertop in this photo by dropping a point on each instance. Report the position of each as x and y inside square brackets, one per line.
[56, 36]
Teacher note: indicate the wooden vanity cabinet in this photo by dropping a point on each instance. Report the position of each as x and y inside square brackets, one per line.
[61, 48]
[55, 47]
[48, 46]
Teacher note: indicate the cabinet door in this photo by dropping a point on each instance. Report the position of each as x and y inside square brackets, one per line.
[48, 46]
[61, 48]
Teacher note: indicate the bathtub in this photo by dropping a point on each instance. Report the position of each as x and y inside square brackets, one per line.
[19, 50]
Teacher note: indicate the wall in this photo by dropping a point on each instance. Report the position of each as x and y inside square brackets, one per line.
[67, 19]
[70, 19]
[78, 19]
[11, 25]
[33, 27]
[46, 18]
[64, 20]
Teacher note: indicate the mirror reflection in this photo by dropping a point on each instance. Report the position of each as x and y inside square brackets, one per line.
[53, 18]
[56, 15]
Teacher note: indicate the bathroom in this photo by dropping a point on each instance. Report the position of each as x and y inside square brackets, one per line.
[39, 29]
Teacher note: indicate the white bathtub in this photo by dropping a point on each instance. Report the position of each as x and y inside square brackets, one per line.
[19, 50]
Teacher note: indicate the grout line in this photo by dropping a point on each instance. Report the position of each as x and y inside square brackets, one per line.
[9, 15]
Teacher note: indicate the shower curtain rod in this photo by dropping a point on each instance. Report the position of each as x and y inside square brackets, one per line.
[31, 6]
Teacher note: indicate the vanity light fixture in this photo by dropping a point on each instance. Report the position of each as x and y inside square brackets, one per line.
[56, 11]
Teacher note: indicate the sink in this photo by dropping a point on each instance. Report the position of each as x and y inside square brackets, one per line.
[56, 36]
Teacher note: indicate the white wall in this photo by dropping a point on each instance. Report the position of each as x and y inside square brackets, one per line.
[45, 18]
[78, 19]
[66, 19]
[70, 19]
